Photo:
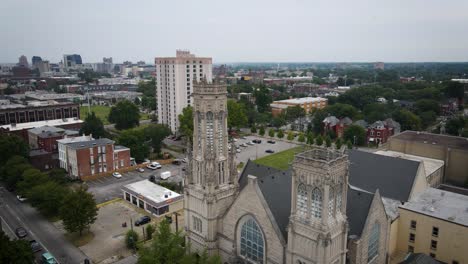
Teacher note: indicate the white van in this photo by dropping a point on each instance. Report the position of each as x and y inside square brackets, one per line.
[165, 175]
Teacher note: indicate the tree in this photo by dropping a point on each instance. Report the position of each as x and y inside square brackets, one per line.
[124, 115]
[58, 175]
[301, 138]
[253, 129]
[236, 117]
[342, 110]
[148, 88]
[294, 112]
[131, 239]
[455, 90]
[454, 126]
[290, 135]
[93, 125]
[349, 145]
[135, 140]
[261, 131]
[156, 133]
[278, 121]
[47, 197]
[78, 210]
[338, 143]
[407, 120]
[271, 133]
[263, 99]
[319, 141]
[317, 121]
[15, 251]
[356, 134]
[310, 138]
[148, 102]
[11, 145]
[328, 141]
[149, 231]
[186, 123]
[280, 134]
[12, 170]
[31, 178]
[425, 105]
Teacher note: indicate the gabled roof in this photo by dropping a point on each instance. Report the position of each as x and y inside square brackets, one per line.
[276, 189]
[332, 120]
[361, 123]
[346, 121]
[394, 177]
[357, 209]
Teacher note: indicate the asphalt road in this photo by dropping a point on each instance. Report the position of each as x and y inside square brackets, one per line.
[258, 150]
[16, 214]
[109, 188]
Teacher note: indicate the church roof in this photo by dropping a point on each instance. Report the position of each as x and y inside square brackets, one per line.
[357, 208]
[394, 177]
[276, 189]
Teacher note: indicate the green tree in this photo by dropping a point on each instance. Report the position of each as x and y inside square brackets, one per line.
[319, 140]
[280, 134]
[271, 133]
[294, 112]
[149, 231]
[236, 117]
[93, 125]
[261, 131]
[47, 197]
[349, 145]
[78, 210]
[263, 99]
[253, 129]
[454, 89]
[30, 178]
[15, 251]
[290, 135]
[58, 175]
[12, 171]
[135, 140]
[317, 121]
[156, 133]
[328, 141]
[186, 123]
[11, 145]
[338, 143]
[425, 105]
[356, 134]
[148, 102]
[301, 138]
[124, 115]
[407, 120]
[342, 110]
[454, 126]
[278, 121]
[310, 138]
[148, 88]
[131, 239]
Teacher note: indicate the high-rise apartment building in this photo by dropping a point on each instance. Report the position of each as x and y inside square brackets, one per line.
[70, 61]
[174, 84]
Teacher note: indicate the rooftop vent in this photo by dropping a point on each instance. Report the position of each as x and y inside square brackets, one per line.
[431, 209]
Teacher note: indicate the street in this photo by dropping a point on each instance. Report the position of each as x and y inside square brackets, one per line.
[16, 214]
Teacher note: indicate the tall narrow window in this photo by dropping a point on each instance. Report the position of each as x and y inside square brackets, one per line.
[199, 131]
[373, 243]
[209, 132]
[331, 203]
[339, 196]
[251, 242]
[220, 133]
[301, 206]
[317, 203]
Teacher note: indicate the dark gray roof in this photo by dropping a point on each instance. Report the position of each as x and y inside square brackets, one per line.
[38, 152]
[90, 143]
[276, 188]
[361, 123]
[419, 258]
[394, 177]
[357, 208]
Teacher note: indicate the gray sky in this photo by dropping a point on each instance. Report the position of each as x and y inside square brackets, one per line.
[236, 30]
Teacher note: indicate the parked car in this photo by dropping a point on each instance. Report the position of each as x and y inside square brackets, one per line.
[234, 139]
[243, 145]
[20, 198]
[165, 175]
[250, 143]
[243, 137]
[117, 175]
[271, 141]
[35, 246]
[184, 160]
[21, 232]
[156, 164]
[238, 150]
[48, 258]
[177, 162]
[269, 151]
[257, 141]
[141, 170]
[143, 220]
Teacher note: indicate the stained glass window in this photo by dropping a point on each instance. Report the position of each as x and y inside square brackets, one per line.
[251, 242]
[317, 203]
[302, 201]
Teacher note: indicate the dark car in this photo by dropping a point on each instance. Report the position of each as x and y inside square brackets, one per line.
[21, 232]
[269, 151]
[177, 162]
[143, 220]
[152, 178]
[35, 246]
[257, 141]
[271, 141]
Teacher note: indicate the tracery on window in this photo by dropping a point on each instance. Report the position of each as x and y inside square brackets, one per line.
[251, 242]
[302, 201]
[317, 203]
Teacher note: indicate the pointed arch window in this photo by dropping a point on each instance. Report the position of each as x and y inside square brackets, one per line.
[331, 203]
[373, 243]
[209, 132]
[302, 201]
[317, 203]
[199, 132]
[252, 243]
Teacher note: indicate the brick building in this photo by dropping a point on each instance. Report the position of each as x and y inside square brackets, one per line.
[46, 137]
[380, 131]
[333, 124]
[307, 103]
[37, 111]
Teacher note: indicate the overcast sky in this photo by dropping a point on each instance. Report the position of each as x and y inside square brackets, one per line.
[236, 30]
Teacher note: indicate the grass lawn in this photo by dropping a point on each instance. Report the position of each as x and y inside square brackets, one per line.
[102, 112]
[280, 160]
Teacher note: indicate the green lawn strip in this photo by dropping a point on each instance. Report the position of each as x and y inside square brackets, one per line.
[280, 160]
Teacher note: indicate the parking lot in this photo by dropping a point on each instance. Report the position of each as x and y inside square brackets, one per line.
[108, 188]
[256, 151]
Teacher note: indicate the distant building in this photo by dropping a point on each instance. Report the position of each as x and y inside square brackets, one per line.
[435, 223]
[46, 137]
[86, 156]
[43, 67]
[379, 65]
[304, 88]
[174, 78]
[43, 160]
[71, 61]
[35, 60]
[23, 61]
[307, 103]
[335, 125]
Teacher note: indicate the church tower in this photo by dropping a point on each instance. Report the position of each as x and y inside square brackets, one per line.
[211, 184]
[318, 227]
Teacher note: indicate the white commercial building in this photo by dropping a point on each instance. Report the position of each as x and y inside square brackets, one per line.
[174, 84]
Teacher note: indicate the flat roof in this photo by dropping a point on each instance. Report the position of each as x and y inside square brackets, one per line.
[75, 139]
[90, 143]
[54, 122]
[302, 100]
[440, 204]
[430, 165]
[434, 139]
[152, 192]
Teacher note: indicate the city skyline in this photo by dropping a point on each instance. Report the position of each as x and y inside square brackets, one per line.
[263, 31]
